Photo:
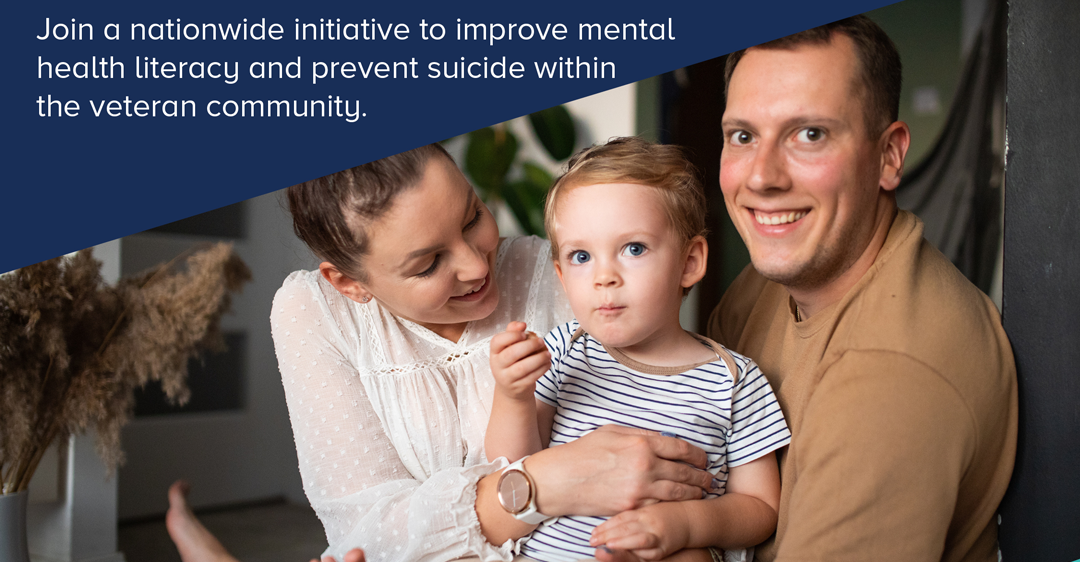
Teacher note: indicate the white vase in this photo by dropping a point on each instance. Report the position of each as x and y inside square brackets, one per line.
[13, 527]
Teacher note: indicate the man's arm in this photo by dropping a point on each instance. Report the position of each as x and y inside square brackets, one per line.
[879, 454]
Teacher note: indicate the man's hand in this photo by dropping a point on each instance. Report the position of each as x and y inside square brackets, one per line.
[652, 532]
[518, 359]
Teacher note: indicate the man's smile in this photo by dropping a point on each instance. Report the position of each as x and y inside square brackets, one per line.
[778, 217]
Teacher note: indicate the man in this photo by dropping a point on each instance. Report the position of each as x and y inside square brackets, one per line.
[894, 373]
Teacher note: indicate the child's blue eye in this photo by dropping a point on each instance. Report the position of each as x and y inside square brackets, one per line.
[579, 257]
[634, 249]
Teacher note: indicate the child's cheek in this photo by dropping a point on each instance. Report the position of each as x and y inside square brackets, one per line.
[578, 274]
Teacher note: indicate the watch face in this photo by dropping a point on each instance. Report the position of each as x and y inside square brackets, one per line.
[514, 491]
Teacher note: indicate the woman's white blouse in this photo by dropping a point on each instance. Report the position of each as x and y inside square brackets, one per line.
[389, 418]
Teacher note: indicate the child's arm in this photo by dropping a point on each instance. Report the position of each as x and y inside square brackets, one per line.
[518, 359]
[744, 516]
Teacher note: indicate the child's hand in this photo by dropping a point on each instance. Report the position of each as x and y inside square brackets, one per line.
[652, 532]
[684, 555]
[518, 359]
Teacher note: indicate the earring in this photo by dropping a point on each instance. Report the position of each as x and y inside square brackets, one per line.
[365, 300]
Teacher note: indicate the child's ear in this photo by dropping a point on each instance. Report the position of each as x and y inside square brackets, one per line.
[697, 258]
[344, 284]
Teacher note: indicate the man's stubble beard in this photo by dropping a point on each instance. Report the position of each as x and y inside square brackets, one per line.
[823, 267]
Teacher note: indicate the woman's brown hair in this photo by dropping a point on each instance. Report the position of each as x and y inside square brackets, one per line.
[330, 213]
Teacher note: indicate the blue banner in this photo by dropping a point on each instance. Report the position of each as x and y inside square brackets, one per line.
[122, 116]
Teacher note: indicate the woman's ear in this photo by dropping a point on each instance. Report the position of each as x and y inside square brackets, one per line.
[697, 258]
[344, 284]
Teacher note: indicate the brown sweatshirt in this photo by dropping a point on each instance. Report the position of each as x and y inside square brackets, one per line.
[901, 399]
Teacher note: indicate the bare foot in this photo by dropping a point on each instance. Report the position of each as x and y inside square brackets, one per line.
[195, 543]
[354, 555]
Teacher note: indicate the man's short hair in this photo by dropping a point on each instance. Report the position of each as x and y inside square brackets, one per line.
[880, 73]
[636, 161]
[330, 214]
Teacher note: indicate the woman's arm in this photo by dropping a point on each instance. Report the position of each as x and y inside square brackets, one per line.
[353, 476]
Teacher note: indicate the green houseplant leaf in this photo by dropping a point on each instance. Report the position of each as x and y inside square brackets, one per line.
[555, 128]
[525, 198]
[491, 159]
[488, 158]
[539, 178]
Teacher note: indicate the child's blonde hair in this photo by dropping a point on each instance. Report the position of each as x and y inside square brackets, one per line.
[636, 161]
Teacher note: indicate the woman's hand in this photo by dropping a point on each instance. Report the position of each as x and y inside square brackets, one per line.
[518, 359]
[616, 469]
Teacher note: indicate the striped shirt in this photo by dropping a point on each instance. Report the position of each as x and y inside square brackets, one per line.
[734, 419]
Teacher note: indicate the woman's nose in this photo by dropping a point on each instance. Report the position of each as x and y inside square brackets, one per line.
[474, 264]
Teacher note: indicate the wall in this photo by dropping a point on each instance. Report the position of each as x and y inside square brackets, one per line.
[1040, 515]
[236, 456]
[928, 35]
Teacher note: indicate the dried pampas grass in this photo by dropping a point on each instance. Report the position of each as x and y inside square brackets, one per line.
[73, 349]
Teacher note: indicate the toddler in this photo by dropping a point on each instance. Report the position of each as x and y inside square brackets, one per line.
[626, 223]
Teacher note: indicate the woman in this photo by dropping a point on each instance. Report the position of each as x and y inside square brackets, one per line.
[384, 360]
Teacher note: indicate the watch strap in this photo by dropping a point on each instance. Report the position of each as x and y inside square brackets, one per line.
[530, 514]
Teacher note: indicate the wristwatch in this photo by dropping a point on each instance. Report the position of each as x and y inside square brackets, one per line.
[517, 494]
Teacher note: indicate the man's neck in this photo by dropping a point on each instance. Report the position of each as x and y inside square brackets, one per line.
[810, 301]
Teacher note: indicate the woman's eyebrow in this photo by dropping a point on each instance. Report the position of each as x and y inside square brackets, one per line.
[422, 251]
[406, 264]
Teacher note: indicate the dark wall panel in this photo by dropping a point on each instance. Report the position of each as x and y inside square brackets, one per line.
[1041, 284]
